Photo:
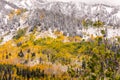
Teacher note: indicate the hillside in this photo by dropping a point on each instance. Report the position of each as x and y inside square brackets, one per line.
[44, 40]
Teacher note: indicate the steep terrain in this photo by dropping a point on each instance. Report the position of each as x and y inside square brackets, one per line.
[64, 16]
[67, 17]
[44, 40]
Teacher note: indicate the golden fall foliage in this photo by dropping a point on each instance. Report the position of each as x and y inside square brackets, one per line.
[48, 58]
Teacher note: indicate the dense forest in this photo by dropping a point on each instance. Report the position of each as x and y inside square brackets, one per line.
[59, 41]
[26, 57]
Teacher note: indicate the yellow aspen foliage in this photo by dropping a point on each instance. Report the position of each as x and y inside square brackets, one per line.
[57, 33]
[82, 49]
[40, 66]
[27, 56]
[30, 43]
[32, 37]
[14, 12]
[18, 11]
[21, 39]
[77, 39]
[95, 50]
[86, 57]
[37, 48]
[42, 56]
[84, 23]
[71, 39]
[92, 37]
[10, 16]
[62, 37]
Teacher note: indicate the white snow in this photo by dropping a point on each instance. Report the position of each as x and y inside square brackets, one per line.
[8, 7]
[7, 38]
[110, 2]
[95, 32]
[113, 33]
[118, 14]
[109, 9]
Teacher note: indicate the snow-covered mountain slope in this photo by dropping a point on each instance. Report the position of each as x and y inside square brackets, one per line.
[63, 16]
[78, 9]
